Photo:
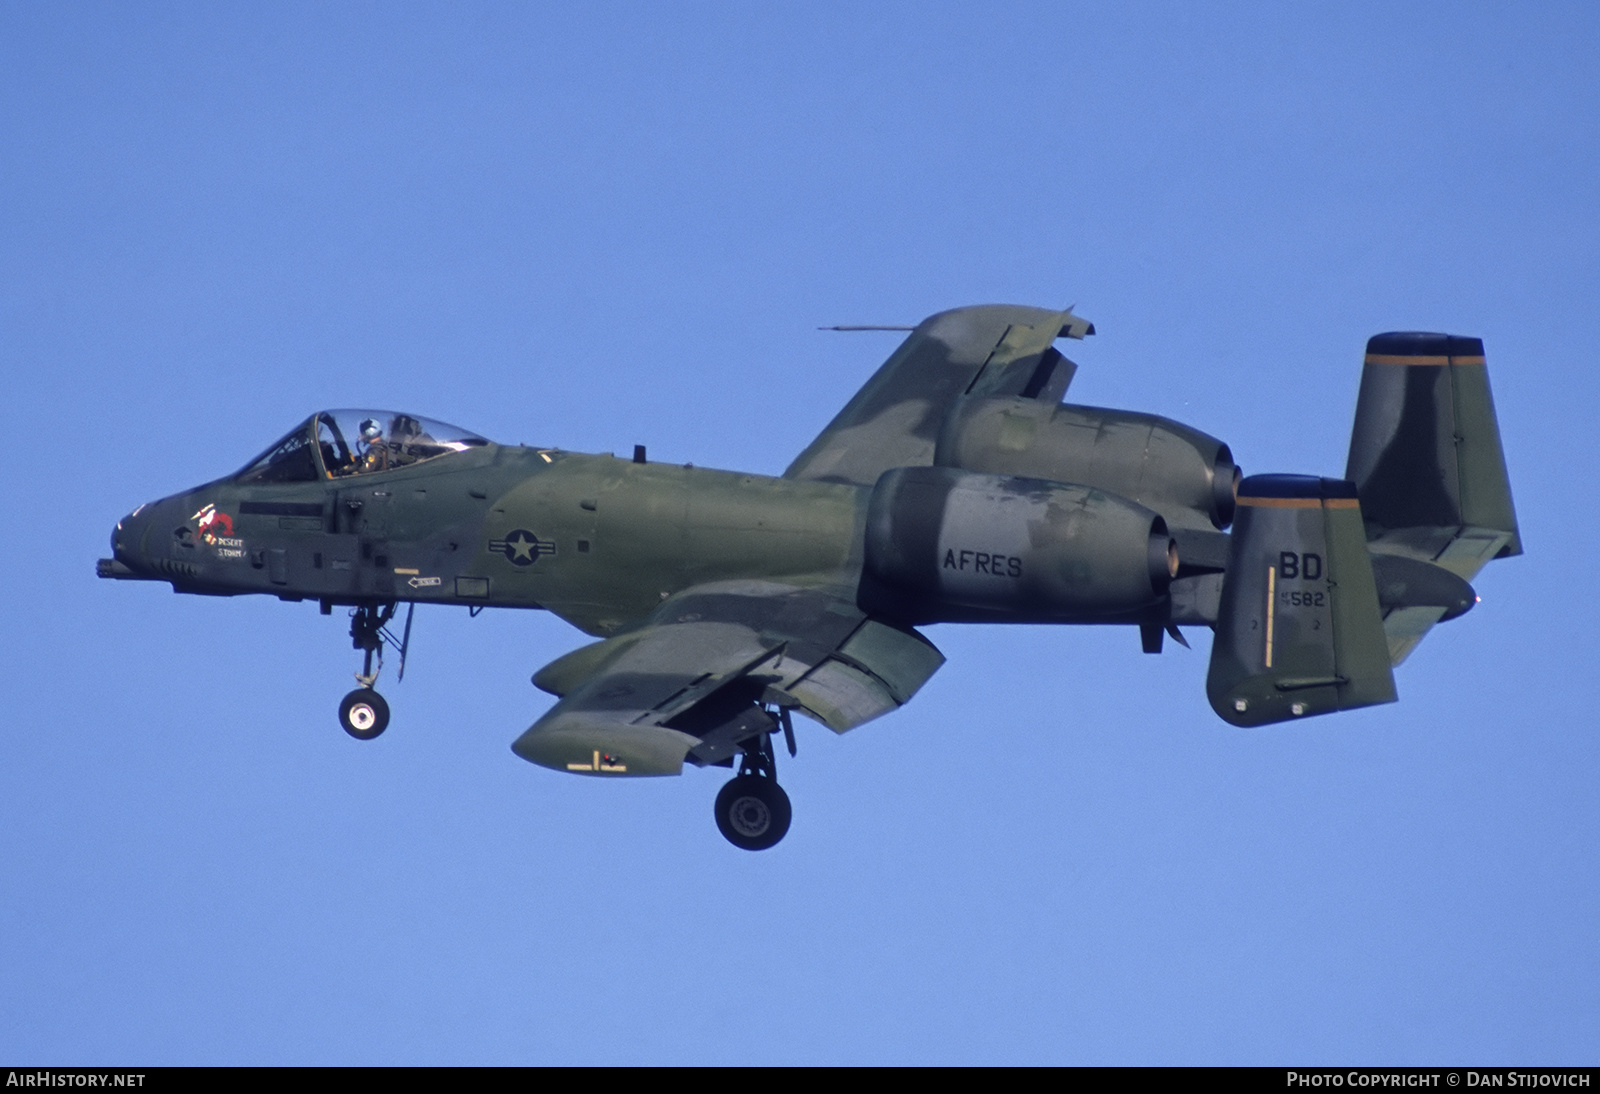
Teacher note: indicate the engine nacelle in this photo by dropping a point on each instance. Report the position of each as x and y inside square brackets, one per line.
[1183, 474]
[943, 544]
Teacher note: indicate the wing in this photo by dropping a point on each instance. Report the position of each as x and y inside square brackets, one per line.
[894, 421]
[692, 682]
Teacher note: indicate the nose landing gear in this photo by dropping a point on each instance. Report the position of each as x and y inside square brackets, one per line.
[363, 713]
[752, 810]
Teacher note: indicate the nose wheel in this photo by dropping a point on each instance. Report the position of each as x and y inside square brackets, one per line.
[364, 714]
[752, 810]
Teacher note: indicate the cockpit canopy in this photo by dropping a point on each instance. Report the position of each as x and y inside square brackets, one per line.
[338, 443]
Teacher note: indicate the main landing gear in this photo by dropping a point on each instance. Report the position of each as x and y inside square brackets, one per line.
[752, 810]
[363, 713]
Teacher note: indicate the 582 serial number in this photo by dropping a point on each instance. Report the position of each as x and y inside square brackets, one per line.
[1305, 600]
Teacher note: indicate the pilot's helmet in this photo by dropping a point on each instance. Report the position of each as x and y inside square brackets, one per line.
[371, 430]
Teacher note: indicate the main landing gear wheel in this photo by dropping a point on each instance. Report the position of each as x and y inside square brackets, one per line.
[753, 812]
[364, 714]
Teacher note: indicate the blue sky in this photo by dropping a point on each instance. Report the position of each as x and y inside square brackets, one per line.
[598, 225]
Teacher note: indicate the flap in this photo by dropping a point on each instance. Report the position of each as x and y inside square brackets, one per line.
[694, 680]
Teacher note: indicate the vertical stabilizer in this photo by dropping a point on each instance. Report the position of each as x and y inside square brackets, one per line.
[1425, 451]
[1299, 632]
[1426, 458]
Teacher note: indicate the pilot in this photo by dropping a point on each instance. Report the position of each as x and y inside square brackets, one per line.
[375, 454]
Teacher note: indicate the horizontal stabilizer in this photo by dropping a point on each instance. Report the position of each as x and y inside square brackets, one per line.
[1407, 583]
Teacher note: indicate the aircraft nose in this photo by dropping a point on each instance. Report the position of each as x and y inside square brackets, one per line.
[128, 554]
[126, 537]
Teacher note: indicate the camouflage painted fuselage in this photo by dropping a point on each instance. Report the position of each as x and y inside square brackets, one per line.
[597, 540]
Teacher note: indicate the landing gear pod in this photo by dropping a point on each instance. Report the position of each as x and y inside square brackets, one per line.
[1299, 631]
[943, 544]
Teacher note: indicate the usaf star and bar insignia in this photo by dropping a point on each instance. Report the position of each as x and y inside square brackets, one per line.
[521, 547]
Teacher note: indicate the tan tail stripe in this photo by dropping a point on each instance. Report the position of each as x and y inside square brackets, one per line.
[1272, 600]
[1301, 503]
[1406, 359]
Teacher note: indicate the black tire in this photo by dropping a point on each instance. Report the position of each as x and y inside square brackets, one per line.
[753, 812]
[364, 714]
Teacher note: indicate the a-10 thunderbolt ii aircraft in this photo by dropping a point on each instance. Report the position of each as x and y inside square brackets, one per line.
[956, 487]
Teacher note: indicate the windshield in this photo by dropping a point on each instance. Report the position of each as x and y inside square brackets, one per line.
[338, 443]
